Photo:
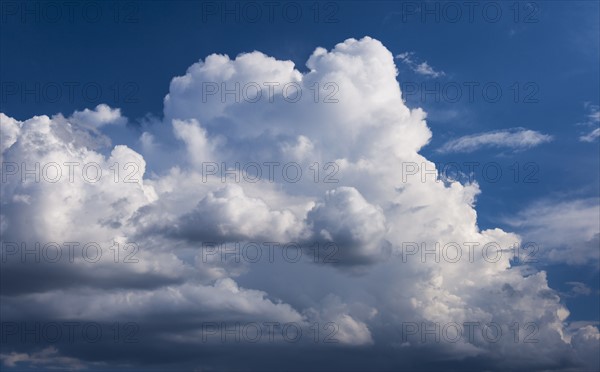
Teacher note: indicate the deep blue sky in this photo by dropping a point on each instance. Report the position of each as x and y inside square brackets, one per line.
[138, 47]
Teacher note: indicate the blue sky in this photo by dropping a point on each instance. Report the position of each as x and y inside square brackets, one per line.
[543, 56]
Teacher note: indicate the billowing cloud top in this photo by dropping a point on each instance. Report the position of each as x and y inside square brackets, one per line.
[251, 150]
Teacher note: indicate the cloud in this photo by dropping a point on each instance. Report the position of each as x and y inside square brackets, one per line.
[10, 130]
[593, 120]
[228, 214]
[346, 154]
[590, 137]
[516, 139]
[355, 226]
[422, 68]
[567, 231]
[100, 116]
[579, 289]
[46, 358]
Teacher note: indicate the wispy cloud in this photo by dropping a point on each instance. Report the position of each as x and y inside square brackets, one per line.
[593, 120]
[590, 137]
[578, 289]
[422, 68]
[515, 138]
[567, 231]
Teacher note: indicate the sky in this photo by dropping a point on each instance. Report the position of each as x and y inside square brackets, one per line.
[300, 185]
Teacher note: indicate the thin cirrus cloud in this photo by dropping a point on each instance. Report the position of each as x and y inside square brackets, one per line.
[421, 68]
[593, 120]
[515, 139]
[590, 137]
[369, 292]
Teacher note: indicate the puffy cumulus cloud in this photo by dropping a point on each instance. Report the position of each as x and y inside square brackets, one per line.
[228, 214]
[360, 118]
[100, 116]
[409, 253]
[65, 183]
[516, 138]
[586, 342]
[348, 330]
[356, 227]
[61, 195]
[10, 131]
[198, 146]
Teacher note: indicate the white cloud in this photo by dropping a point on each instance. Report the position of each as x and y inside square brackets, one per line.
[593, 120]
[228, 214]
[357, 227]
[369, 212]
[567, 231]
[422, 68]
[100, 116]
[590, 137]
[10, 131]
[516, 138]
